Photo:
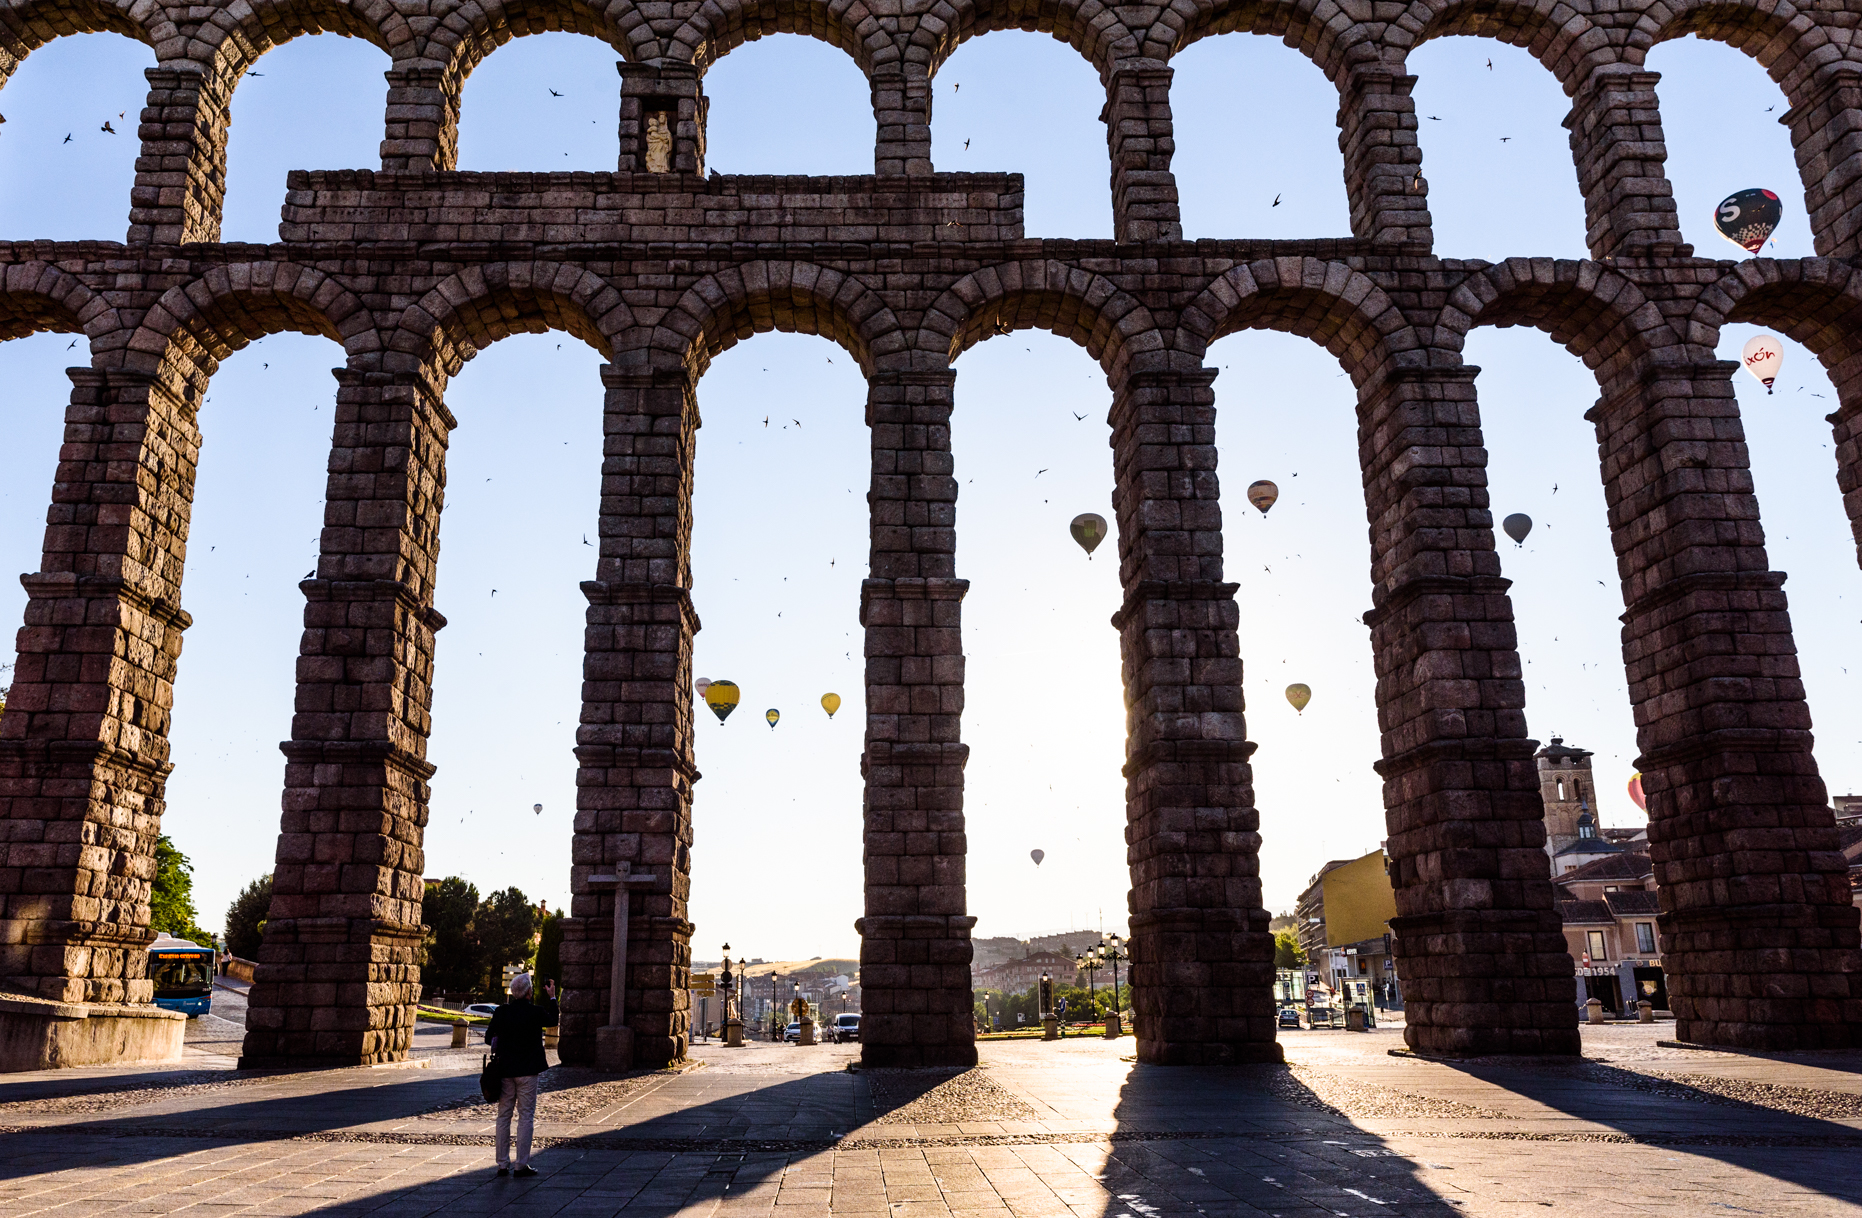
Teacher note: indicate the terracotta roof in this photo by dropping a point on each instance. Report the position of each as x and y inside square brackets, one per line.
[1633, 904]
[1849, 840]
[1629, 865]
[1583, 913]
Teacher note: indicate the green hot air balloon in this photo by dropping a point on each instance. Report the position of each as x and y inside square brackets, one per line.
[1089, 529]
[721, 697]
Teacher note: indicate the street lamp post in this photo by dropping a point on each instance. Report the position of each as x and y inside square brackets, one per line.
[1088, 963]
[1114, 1024]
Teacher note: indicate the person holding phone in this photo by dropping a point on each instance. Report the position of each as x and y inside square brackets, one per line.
[516, 1039]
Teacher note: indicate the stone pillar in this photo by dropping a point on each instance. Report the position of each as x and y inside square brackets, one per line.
[675, 92]
[902, 114]
[422, 120]
[1139, 134]
[915, 938]
[1383, 164]
[1482, 949]
[1826, 131]
[1617, 144]
[181, 174]
[634, 745]
[84, 741]
[1846, 433]
[1759, 938]
[1202, 958]
[337, 975]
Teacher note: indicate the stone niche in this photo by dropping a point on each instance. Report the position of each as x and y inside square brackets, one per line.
[40, 1034]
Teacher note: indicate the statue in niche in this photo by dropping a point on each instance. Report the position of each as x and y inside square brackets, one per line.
[659, 142]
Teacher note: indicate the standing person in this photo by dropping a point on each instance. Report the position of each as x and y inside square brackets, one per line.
[516, 1039]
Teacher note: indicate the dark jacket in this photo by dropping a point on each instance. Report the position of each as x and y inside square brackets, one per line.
[517, 1027]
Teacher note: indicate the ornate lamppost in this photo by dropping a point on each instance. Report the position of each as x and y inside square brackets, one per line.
[1113, 953]
[733, 1017]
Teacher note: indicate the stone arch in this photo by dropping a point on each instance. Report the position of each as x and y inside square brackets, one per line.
[1091, 27]
[1114, 326]
[718, 27]
[234, 38]
[1569, 44]
[195, 325]
[1786, 41]
[467, 33]
[37, 296]
[1327, 302]
[1814, 301]
[476, 307]
[1324, 32]
[798, 297]
[1594, 312]
[25, 28]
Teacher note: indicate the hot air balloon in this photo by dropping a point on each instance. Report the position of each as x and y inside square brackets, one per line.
[1262, 495]
[701, 685]
[830, 703]
[1089, 529]
[1299, 695]
[772, 714]
[721, 697]
[537, 808]
[1747, 218]
[1517, 526]
[1763, 356]
[1635, 791]
[1037, 856]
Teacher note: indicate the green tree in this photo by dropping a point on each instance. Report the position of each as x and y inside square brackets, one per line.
[549, 948]
[245, 918]
[171, 897]
[451, 964]
[1287, 950]
[503, 928]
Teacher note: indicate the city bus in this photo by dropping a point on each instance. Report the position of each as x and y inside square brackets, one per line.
[183, 976]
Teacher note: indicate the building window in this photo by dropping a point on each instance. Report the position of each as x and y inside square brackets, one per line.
[1645, 938]
[1610, 888]
[1596, 945]
[1561, 788]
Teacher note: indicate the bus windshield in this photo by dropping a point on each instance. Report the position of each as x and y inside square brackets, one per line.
[181, 975]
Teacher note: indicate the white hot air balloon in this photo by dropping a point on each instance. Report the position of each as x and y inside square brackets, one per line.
[537, 808]
[1763, 357]
[700, 686]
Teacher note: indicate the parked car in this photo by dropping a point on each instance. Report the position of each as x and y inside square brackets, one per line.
[1289, 1017]
[793, 1031]
[487, 1009]
[846, 1027]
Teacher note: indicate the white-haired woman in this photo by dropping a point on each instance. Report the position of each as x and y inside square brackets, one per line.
[516, 1039]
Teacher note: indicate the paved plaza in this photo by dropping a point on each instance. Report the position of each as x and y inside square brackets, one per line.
[1074, 1128]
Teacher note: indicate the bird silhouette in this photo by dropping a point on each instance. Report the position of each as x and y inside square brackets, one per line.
[1490, 65]
[255, 73]
[1435, 118]
[966, 145]
[956, 88]
[74, 342]
[1039, 472]
[766, 417]
[1505, 138]
[1077, 417]
[67, 137]
[797, 422]
[586, 541]
[553, 93]
[310, 573]
[107, 128]
[1276, 201]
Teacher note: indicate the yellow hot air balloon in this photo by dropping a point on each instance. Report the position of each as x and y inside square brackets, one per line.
[772, 714]
[1299, 695]
[721, 697]
[830, 703]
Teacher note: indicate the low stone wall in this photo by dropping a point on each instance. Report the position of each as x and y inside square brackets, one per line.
[352, 205]
[39, 1034]
[239, 970]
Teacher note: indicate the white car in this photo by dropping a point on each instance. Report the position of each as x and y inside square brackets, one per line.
[487, 1009]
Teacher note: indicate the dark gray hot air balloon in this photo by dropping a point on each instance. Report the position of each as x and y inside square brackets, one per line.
[1089, 529]
[1037, 856]
[1517, 526]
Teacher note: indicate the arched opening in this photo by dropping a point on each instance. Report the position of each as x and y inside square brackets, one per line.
[1720, 115]
[1495, 152]
[1043, 709]
[62, 177]
[1807, 536]
[253, 536]
[313, 103]
[519, 535]
[32, 417]
[779, 550]
[1287, 413]
[1016, 102]
[1238, 175]
[542, 103]
[789, 104]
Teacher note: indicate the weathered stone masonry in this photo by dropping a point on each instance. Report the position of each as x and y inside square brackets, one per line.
[415, 267]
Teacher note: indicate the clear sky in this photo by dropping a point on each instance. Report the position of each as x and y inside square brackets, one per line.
[780, 535]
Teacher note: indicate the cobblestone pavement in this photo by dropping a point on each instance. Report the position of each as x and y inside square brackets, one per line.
[1039, 1129]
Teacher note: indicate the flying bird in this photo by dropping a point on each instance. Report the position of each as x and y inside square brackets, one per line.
[74, 342]
[67, 137]
[766, 417]
[1039, 472]
[797, 422]
[1490, 65]
[1276, 200]
[1077, 417]
[255, 73]
[966, 145]
[553, 93]
[1435, 118]
[956, 88]
[310, 573]
[107, 127]
[586, 541]
[1505, 138]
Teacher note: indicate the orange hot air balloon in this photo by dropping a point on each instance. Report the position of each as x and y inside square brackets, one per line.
[1635, 791]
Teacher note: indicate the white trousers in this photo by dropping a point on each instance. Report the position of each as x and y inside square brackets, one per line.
[521, 1094]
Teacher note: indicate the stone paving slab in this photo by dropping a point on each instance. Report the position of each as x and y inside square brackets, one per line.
[1039, 1129]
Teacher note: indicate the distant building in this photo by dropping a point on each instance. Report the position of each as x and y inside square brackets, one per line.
[1609, 907]
[1019, 976]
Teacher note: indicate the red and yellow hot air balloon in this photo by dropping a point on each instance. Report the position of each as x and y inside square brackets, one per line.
[1635, 791]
